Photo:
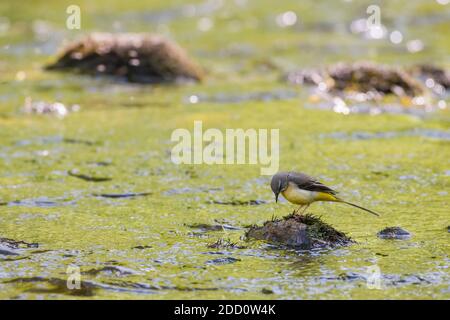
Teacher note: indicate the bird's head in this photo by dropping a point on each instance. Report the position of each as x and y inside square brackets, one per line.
[279, 183]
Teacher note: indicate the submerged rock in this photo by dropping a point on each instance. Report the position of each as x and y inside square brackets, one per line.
[393, 233]
[142, 58]
[299, 231]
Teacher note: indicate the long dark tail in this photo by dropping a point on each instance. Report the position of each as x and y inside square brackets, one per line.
[359, 207]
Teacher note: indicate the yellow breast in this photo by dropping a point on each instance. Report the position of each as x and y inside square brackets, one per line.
[296, 195]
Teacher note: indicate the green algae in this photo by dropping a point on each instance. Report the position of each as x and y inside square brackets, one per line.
[404, 177]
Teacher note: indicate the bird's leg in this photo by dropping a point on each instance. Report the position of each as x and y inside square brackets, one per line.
[297, 210]
[306, 207]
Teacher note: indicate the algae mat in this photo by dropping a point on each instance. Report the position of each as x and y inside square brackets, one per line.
[97, 190]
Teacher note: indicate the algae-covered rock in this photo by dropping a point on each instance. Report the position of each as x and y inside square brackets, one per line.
[393, 233]
[368, 76]
[439, 75]
[299, 231]
[360, 76]
[142, 58]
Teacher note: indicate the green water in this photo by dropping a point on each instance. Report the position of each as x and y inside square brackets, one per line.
[122, 132]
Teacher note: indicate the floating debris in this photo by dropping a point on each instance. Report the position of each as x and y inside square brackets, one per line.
[394, 233]
[299, 231]
[42, 107]
[141, 58]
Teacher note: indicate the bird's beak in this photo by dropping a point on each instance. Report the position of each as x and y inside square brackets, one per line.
[276, 197]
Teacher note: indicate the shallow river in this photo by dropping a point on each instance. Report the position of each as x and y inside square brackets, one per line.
[142, 227]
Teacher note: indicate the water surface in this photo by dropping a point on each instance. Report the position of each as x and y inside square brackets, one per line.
[147, 243]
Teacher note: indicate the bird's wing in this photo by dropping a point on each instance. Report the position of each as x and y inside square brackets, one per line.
[306, 182]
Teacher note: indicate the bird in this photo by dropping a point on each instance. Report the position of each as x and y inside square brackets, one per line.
[301, 189]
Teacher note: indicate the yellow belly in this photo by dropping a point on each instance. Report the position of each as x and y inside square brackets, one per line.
[298, 196]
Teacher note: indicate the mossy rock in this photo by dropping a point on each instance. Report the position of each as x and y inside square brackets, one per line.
[299, 231]
[135, 57]
[428, 71]
[367, 76]
[361, 76]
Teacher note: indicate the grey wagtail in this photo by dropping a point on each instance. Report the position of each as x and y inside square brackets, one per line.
[301, 189]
